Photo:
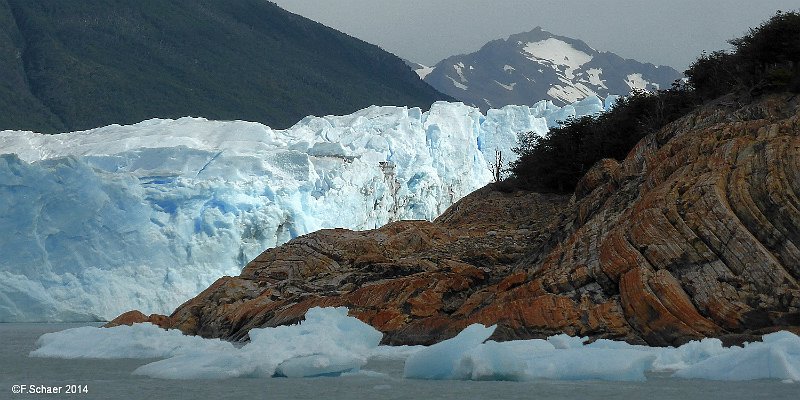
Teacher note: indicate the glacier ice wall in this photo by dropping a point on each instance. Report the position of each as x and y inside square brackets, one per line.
[145, 216]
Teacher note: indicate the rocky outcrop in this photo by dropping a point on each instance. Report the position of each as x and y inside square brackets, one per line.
[407, 279]
[136, 317]
[696, 233]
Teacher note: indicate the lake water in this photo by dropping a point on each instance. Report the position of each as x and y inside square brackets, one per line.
[112, 379]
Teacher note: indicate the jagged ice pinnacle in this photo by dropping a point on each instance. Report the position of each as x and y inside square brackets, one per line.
[146, 216]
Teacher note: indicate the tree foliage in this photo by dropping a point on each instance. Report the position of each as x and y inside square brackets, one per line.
[557, 161]
[766, 59]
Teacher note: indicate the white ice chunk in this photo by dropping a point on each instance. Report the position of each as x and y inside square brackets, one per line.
[519, 360]
[442, 360]
[394, 352]
[562, 357]
[564, 341]
[777, 357]
[137, 341]
[327, 342]
[499, 361]
[559, 358]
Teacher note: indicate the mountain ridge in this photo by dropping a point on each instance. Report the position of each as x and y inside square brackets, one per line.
[79, 65]
[564, 70]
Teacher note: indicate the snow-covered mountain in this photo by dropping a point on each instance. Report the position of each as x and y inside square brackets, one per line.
[536, 65]
[145, 216]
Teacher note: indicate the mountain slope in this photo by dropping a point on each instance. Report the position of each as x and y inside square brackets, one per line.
[536, 65]
[79, 65]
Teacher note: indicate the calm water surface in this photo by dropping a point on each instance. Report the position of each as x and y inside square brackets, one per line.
[112, 379]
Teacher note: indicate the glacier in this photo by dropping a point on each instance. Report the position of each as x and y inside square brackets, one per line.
[330, 343]
[145, 216]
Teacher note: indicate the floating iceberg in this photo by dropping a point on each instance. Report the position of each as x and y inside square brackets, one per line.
[146, 216]
[441, 360]
[561, 357]
[331, 343]
[467, 357]
[136, 341]
[777, 357]
[327, 342]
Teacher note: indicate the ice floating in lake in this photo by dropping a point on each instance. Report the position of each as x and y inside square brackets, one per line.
[466, 356]
[777, 357]
[566, 358]
[441, 360]
[136, 341]
[329, 342]
[146, 216]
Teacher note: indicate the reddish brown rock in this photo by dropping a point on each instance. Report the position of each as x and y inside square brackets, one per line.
[696, 233]
[136, 317]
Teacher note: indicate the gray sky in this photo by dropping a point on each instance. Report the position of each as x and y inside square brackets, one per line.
[669, 32]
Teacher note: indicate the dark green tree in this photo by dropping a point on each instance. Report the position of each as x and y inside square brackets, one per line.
[767, 59]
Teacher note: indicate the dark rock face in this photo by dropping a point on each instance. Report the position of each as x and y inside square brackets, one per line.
[696, 233]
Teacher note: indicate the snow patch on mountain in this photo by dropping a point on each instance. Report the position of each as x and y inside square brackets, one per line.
[594, 77]
[460, 71]
[458, 84]
[424, 71]
[507, 87]
[558, 53]
[539, 64]
[637, 82]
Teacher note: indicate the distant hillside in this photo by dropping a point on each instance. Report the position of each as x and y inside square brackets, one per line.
[535, 65]
[70, 65]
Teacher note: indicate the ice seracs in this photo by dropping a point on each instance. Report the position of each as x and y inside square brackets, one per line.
[145, 216]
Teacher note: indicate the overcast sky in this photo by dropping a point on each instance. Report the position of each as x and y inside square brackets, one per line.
[669, 32]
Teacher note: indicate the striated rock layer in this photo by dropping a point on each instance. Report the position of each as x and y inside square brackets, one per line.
[696, 233]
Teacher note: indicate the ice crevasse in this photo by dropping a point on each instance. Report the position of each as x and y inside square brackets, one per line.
[145, 216]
